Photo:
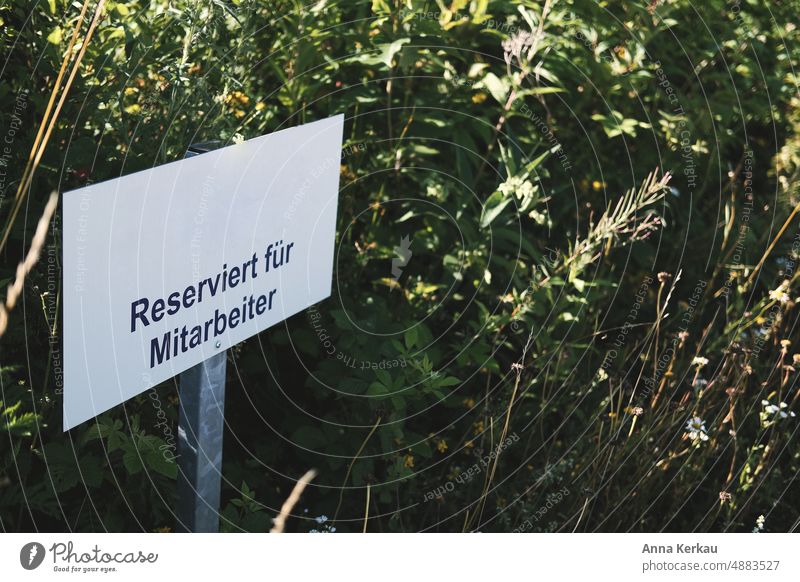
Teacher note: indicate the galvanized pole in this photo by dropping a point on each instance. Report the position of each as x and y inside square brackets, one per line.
[200, 428]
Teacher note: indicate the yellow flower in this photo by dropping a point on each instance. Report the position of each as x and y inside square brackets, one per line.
[408, 462]
[478, 98]
[478, 427]
[469, 402]
[165, 529]
[260, 105]
[237, 98]
[597, 185]
[441, 446]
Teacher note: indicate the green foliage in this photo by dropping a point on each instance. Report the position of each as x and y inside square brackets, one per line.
[528, 302]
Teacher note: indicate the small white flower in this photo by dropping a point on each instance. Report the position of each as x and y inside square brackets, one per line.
[776, 410]
[780, 295]
[696, 429]
[699, 361]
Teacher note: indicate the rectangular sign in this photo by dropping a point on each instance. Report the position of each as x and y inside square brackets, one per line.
[169, 266]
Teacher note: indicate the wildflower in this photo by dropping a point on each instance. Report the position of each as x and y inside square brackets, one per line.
[637, 411]
[514, 46]
[663, 277]
[724, 496]
[699, 362]
[408, 461]
[776, 410]
[696, 428]
[237, 97]
[478, 98]
[469, 402]
[321, 519]
[524, 190]
[780, 295]
[759, 524]
[602, 375]
[441, 446]
[796, 359]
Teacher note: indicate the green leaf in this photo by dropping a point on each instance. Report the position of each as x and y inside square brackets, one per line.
[377, 389]
[497, 87]
[132, 460]
[411, 336]
[493, 207]
[386, 55]
[55, 36]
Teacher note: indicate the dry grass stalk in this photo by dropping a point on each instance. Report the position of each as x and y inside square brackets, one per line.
[37, 243]
[42, 136]
[292, 500]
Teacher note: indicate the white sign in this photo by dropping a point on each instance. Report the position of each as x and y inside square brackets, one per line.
[167, 267]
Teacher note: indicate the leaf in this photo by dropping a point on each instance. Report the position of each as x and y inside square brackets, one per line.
[497, 88]
[384, 377]
[617, 124]
[447, 381]
[387, 53]
[132, 460]
[493, 207]
[55, 36]
[411, 336]
[377, 389]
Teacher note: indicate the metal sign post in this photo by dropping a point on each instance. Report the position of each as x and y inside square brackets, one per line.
[200, 427]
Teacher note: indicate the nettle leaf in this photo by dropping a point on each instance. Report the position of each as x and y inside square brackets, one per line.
[384, 377]
[377, 389]
[91, 470]
[411, 336]
[132, 460]
[61, 466]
